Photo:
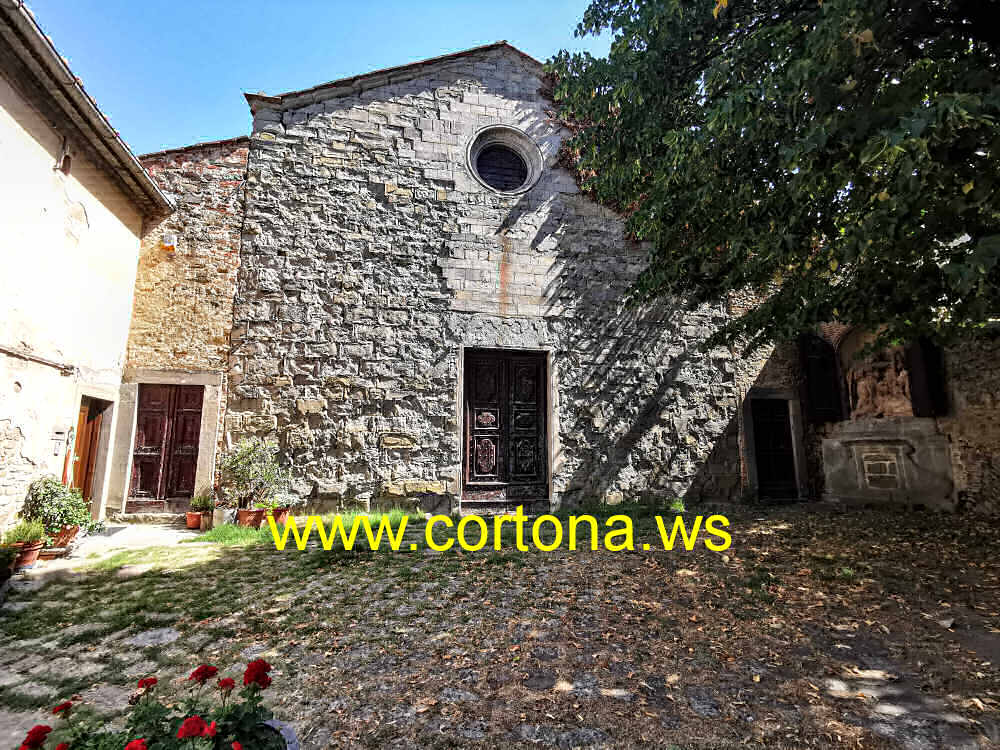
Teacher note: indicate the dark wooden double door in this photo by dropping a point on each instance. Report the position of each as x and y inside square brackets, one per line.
[506, 453]
[168, 426]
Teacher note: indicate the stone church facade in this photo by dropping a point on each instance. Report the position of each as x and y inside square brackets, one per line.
[387, 293]
[395, 280]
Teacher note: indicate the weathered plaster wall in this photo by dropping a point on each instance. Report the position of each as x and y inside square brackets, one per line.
[69, 247]
[371, 258]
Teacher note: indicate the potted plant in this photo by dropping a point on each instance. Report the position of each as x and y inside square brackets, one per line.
[280, 506]
[252, 476]
[28, 538]
[201, 508]
[230, 719]
[60, 509]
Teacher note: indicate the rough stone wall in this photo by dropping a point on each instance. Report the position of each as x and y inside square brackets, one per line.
[371, 257]
[183, 311]
[972, 372]
[183, 298]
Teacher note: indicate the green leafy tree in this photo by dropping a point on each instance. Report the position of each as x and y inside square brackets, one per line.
[251, 474]
[831, 159]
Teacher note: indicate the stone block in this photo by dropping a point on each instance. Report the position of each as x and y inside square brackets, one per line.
[397, 442]
[310, 405]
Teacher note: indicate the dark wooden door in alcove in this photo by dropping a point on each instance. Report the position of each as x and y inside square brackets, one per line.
[505, 437]
[168, 425]
[772, 434]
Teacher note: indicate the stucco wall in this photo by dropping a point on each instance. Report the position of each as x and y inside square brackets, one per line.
[69, 245]
[371, 257]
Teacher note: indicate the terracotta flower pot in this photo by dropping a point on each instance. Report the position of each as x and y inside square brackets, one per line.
[280, 516]
[206, 521]
[193, 519]
[64, 536]
[252, 517]
[27, 553]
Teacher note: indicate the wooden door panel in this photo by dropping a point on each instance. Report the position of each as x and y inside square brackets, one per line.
[186, 431]
[505, 447]
[183, 469]
[145, 476]
[485, 444]
[155, 403]
[81, 445]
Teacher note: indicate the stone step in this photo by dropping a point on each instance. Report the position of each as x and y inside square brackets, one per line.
[490, 508]
[169, 519]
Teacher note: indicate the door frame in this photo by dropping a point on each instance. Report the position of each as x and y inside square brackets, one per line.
[550, 415]
[208, 438]
[798, 441]
[105, 456]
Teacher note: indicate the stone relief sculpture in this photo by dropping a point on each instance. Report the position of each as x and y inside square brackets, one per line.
[880, 386]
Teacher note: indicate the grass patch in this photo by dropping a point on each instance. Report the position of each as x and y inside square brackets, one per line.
[232, 535]
[157, 557]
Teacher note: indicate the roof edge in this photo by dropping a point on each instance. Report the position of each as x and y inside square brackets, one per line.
[356, 82]
[195, 146]
[40, 54]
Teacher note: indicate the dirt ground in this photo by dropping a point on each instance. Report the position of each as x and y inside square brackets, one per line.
[819, 627]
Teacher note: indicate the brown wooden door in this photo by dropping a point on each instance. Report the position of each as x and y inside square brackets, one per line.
[185, 429]
[88, 431]
[505, 444]
[165, 457]
[772, 435]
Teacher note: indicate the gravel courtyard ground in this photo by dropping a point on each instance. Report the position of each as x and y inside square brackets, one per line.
[819, 627]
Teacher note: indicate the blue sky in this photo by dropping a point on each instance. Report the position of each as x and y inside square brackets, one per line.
[171, 72]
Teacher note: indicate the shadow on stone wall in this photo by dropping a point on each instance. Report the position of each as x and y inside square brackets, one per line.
[642, 407]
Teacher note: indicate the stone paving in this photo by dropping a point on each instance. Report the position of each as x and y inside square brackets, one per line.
[560, 650]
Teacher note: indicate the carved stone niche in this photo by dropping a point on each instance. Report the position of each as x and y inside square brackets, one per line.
[889, 460]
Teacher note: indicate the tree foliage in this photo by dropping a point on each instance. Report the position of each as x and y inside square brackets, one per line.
[836, 159]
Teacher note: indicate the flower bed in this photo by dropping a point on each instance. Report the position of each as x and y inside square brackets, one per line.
[197, 723]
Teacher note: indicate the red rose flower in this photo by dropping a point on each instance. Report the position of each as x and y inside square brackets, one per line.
[226, 684]
[237, 746]
[36, 736]
[204, 673]
[256, 674]
[209, 730]
[193, 726]
[65, 746]
[63, 708]
[139, 744]
[147, 682]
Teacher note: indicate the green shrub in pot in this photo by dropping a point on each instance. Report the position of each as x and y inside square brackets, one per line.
[55, 505]
[26, 532]
[251, 474]
[202, 504]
